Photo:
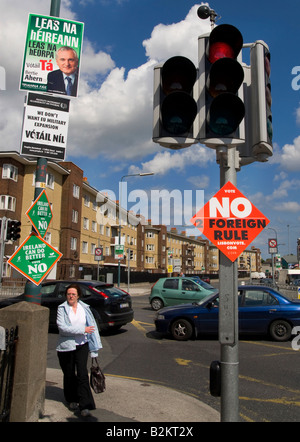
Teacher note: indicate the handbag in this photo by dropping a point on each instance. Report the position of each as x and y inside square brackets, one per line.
[97, 378]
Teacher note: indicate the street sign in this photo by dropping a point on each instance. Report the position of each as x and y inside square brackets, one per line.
[45, 127]
[272, 246]
[119, 251]
[40, 214]
[34, 258]
[99, 254]
[230, 221]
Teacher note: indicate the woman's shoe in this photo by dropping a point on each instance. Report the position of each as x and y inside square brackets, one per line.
[85, 413]
[73, 405]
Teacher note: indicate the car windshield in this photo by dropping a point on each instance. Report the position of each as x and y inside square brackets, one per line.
[203, 284]
[206, 299]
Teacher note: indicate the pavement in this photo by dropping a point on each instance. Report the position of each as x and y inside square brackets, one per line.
[127, 400]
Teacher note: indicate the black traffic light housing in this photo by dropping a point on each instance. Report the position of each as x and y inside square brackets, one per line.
[261, 134]
[175, 106]
[221, 75]
[13, 230]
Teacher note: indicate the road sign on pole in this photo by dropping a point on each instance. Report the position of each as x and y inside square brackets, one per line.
[272, 242]
[40, 214]
[98, 254]
[119, 251]
[34, 258]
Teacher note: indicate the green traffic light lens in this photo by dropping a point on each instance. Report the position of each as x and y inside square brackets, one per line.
[225, 114]
[179, 111]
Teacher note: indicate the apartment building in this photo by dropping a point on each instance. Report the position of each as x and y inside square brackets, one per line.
[85, 219]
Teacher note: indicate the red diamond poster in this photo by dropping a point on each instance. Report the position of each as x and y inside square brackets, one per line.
[230, 221]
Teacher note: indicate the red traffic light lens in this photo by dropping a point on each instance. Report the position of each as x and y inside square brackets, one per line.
[220, 50]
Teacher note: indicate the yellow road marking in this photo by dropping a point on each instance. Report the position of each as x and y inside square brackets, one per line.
[138, 325]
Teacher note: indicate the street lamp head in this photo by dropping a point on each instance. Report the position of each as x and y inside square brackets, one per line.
[146, 173]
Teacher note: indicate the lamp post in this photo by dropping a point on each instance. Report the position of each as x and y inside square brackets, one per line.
[120, 227]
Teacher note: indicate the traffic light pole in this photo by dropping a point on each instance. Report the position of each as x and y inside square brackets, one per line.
[228, 308]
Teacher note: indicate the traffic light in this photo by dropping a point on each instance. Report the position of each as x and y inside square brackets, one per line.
[13, 230]
[221, 75]
[130, 254]
[175, 106]
[261, 133]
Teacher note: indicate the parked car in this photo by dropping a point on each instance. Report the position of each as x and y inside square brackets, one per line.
[176, 290]
[262, 310]
[206, 279]
[111, 306]
[203, 283]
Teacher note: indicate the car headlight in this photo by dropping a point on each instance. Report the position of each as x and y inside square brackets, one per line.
[159, 316]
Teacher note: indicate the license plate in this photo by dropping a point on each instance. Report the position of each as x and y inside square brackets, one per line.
[124, 305]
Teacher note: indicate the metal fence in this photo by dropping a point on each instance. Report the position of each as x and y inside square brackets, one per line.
[8, 343]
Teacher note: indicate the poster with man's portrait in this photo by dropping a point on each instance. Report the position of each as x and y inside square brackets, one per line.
[52, 55]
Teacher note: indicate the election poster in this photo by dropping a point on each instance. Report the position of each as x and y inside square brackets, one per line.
[52, 55]
[45, 126]
[230, 221]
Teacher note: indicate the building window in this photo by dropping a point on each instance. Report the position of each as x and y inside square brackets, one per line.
[86, 223]
[86, 200]
[10, 172]
[72, 271]
[85, 247]
[76, 191]
[50, 180]
[93, 247]
[94, 226]
[73, 243]
[74, 216]
[7, 203]
[150, 247]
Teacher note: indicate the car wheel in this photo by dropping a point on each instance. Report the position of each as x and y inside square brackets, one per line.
[156, 304]
[280, 330]
[181, 330]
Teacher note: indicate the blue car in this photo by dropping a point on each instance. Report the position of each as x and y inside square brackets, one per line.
[262, 310]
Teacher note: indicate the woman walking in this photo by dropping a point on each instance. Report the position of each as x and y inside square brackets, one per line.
[78, 335]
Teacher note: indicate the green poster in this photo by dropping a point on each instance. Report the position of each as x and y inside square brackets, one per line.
[52, 55]
[40, 214]
[34, 258]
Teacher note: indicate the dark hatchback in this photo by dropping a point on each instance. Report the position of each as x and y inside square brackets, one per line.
[111, 306]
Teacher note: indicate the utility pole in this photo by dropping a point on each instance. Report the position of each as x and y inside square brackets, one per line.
[228, 309]
[32, 292]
